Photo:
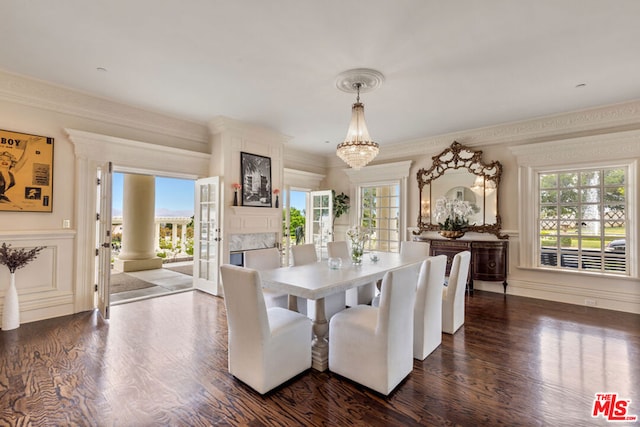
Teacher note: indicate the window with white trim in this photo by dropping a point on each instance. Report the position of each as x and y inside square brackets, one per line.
[582, 222]
[380, 203]
[379, 208]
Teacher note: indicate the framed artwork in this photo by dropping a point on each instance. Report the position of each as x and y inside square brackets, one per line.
[256, 180]
[26, 172]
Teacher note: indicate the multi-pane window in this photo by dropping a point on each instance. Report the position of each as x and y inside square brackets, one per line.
[583, 222]
[380, 214]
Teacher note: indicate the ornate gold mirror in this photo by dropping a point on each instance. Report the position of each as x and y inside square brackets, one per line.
[458, 173]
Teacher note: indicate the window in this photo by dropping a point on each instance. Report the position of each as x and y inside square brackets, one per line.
[582, 222]
[380, 213]
[380, 199]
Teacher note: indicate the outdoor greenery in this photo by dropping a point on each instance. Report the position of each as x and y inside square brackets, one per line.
[296, 223]
[574, 199]
[568, 190]
[341, 206]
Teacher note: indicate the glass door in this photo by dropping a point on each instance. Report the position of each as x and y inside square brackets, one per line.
[103, 237]
[207, 236]
[320, 220]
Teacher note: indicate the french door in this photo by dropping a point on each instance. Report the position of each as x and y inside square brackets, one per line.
[319, 220]
[103, 237]
[207, 236]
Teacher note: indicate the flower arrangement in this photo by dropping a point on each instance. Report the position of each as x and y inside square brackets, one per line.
[17, 258]
[235, 187]
[453, 214]
[276, 191]
[357, 236]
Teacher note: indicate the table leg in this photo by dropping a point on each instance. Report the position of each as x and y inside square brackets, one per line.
[320, 344]
[293, 303]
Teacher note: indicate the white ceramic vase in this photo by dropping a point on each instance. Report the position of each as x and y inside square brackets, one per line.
[11, 311]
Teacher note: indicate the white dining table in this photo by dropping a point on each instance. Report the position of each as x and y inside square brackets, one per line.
[315, 281]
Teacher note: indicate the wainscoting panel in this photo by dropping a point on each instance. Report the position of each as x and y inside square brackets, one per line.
[45, 286]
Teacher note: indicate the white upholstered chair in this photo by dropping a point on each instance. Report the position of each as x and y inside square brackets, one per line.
[408, 248]
[411, 248]
[306, 254]
[453, 294]
[362, 294]
[267, 259]
[427, 312]
[374, 346]
[266, 346]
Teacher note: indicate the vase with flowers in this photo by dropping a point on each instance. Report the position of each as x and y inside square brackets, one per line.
[276, 192]
[235, 187]
[14, 259]
[357, 236]
[453, 216]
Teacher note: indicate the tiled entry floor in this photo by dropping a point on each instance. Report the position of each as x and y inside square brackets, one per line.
[164, 280]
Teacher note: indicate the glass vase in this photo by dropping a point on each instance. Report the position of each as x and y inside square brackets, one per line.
[357, 249]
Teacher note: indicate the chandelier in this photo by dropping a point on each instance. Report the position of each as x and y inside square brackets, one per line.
[357, 149]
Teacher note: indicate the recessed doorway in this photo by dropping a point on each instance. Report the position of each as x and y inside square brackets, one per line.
[173, 242]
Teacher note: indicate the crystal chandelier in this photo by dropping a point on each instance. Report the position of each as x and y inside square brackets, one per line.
[358, 149]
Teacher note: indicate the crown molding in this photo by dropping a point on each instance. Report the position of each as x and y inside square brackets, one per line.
[46, 96]
[298, 159]
[379, 173]
[302, 179]
[132, 156]
[604, 119]
[613, 146]
[222, 124]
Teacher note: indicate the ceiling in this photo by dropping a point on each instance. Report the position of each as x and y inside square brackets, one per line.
[448, 66]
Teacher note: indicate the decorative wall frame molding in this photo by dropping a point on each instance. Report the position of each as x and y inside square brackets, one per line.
[45, 287]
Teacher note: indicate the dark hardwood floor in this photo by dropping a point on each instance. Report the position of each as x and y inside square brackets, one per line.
[163, 361]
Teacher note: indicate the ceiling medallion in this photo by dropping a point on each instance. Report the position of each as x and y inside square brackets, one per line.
[357, 149]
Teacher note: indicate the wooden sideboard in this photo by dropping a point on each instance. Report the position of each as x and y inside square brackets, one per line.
[488, 257]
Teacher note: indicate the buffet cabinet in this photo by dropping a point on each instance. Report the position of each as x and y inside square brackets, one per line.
[488, 258]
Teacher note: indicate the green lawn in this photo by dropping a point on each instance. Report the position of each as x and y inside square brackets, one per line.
[569, 238]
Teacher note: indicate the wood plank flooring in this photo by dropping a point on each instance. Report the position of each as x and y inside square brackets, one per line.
[163, 361]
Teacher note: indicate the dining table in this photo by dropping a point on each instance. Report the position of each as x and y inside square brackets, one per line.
[317, 280]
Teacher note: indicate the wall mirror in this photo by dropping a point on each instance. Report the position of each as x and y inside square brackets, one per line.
[459, 173]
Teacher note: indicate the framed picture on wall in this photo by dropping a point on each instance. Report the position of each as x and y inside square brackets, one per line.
[26, 172]
[256, 180]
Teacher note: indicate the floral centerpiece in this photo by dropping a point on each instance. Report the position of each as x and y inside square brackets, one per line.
[453, 216]
[14, 259]
[357, 236]
[277, 192]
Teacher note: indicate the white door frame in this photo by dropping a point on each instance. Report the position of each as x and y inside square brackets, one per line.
[93, 150]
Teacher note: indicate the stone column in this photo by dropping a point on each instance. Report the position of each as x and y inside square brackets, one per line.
[174, 234]
[138, 219]
[156, 239]
[183, 238]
